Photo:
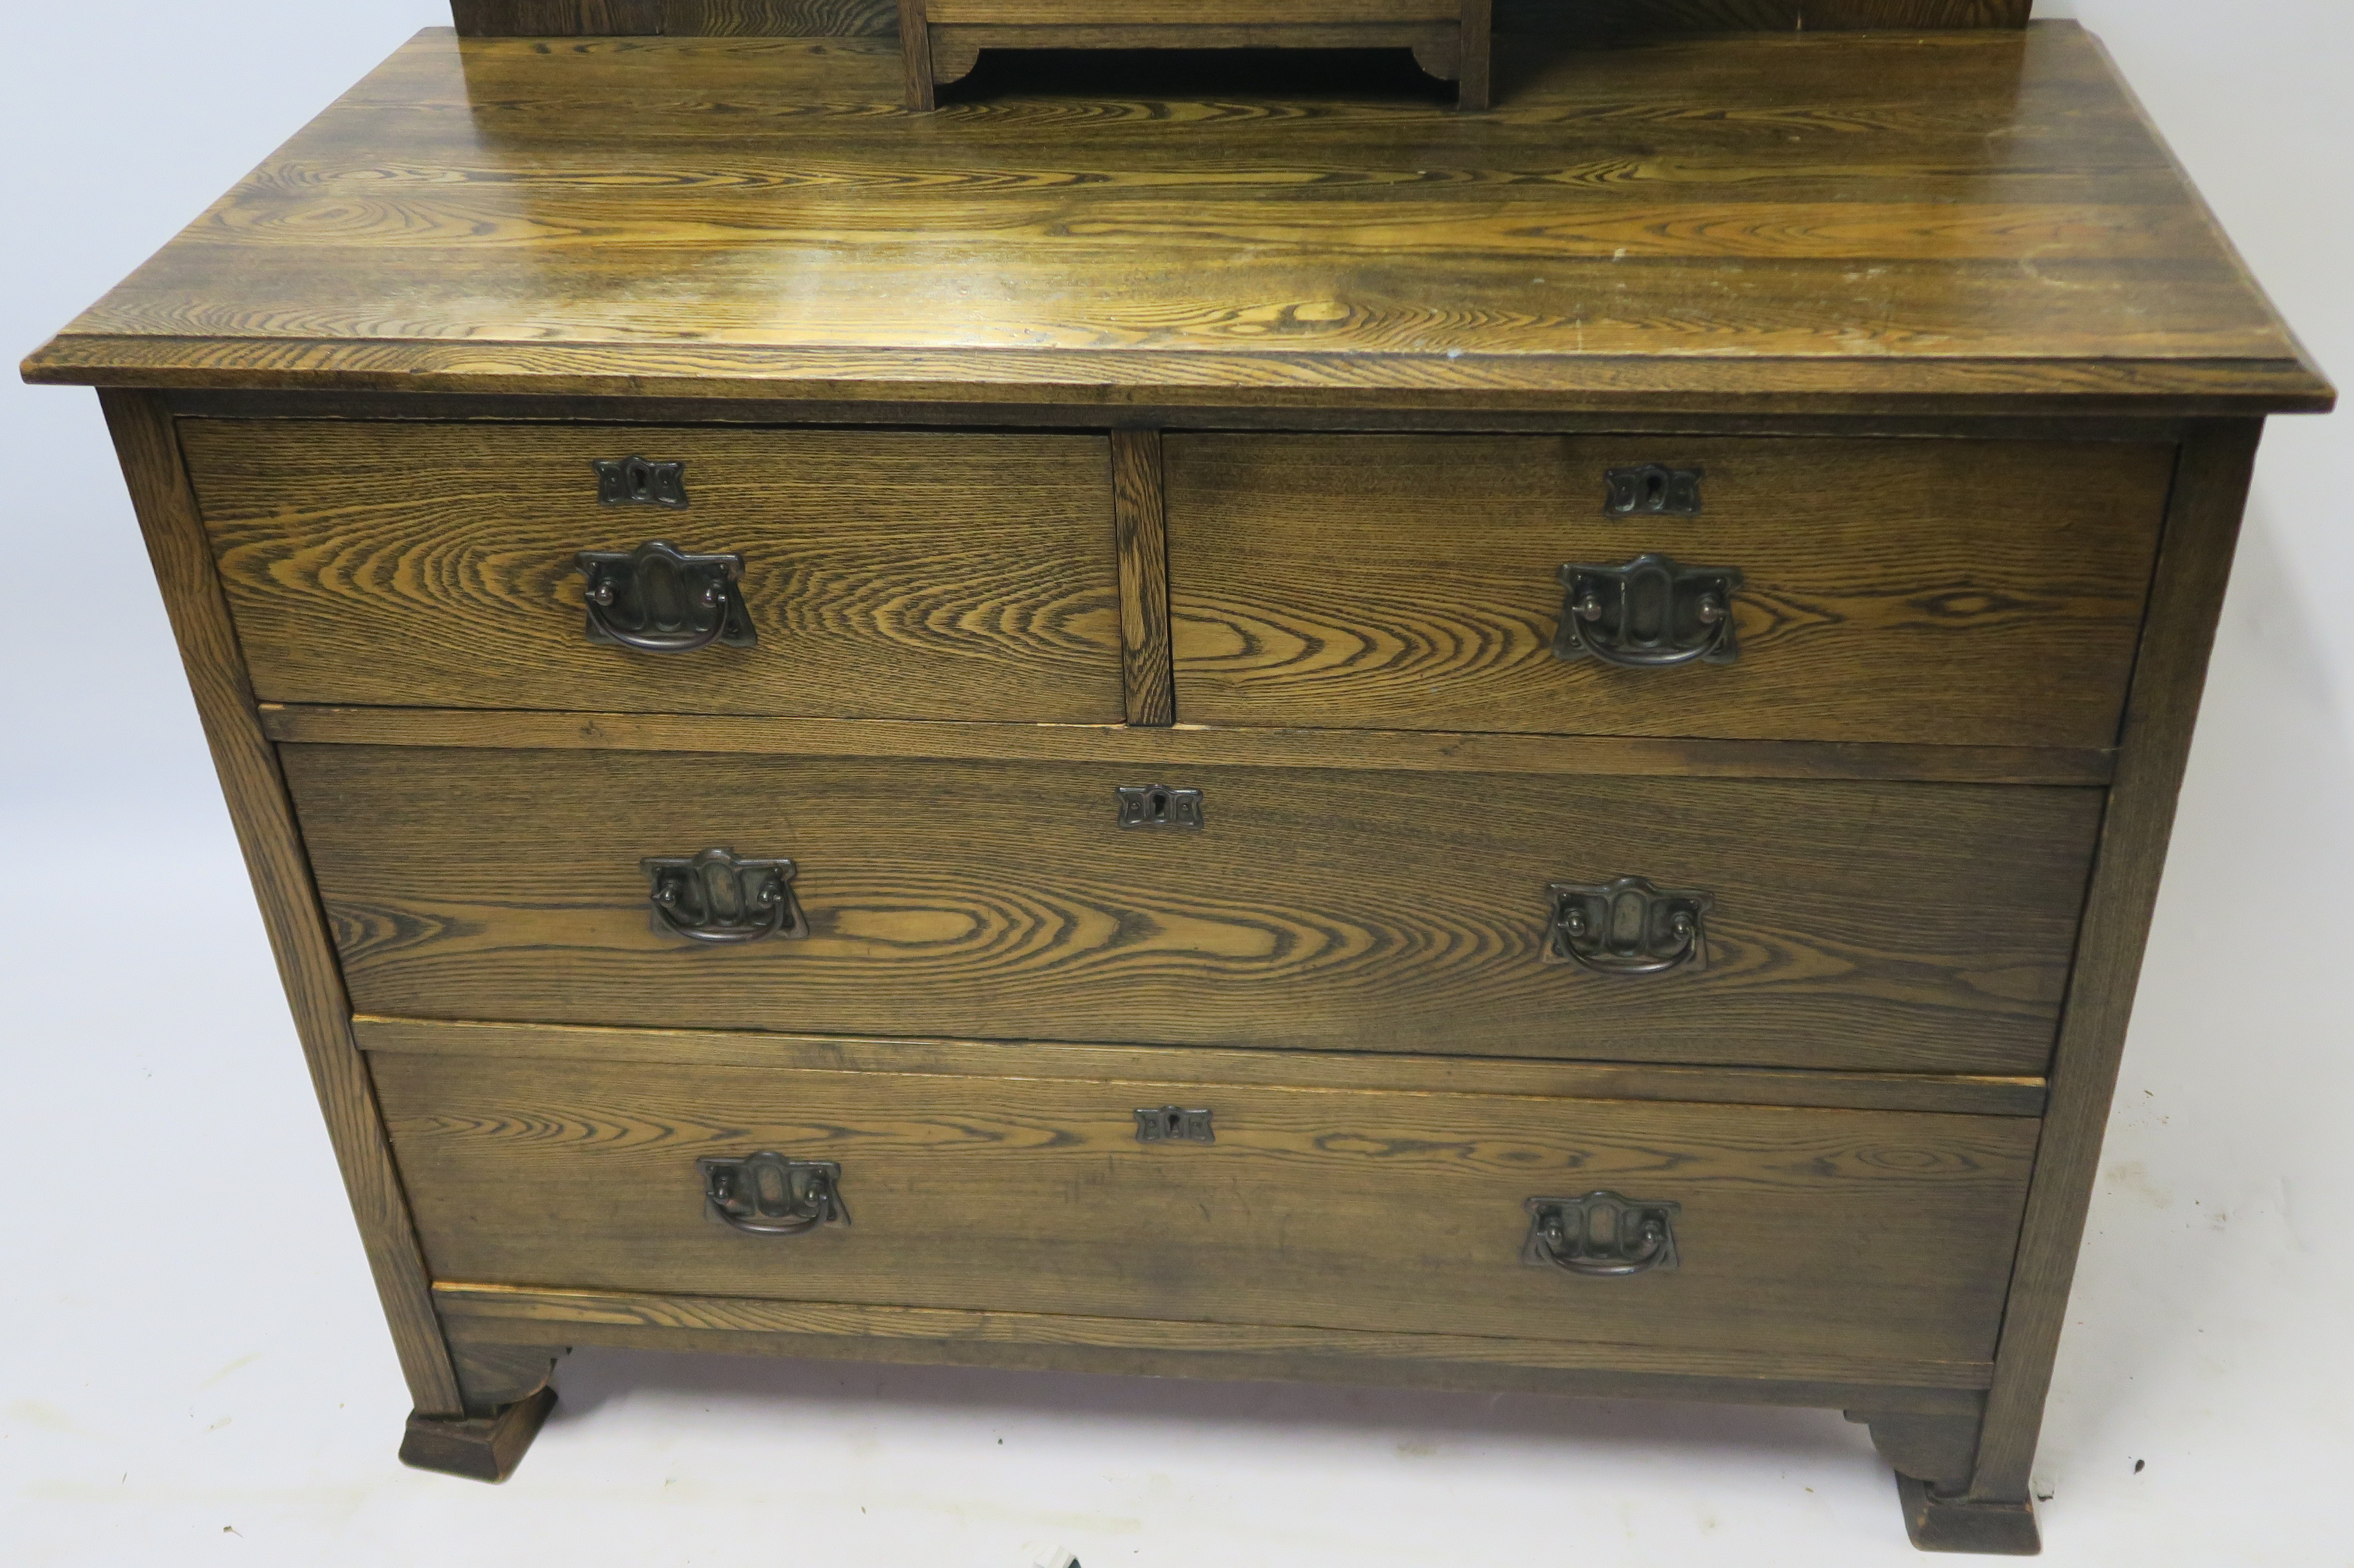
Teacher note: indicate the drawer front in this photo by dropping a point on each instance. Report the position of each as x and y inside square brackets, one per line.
[1876, 1236]
[886, 573]
[1931, 591]
[1186, 13]
[1877, 927]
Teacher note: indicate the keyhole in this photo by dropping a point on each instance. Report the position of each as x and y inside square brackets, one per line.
[1655, 491]
[1159, 805]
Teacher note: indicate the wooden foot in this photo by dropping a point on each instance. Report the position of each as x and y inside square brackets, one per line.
[1938, 1449]
[1963, 1524]
[483, 1448]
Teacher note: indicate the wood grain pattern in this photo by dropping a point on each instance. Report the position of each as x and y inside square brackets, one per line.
[1140, 523]
[2194, 565]
[1187, 746]
[1995, 421]
[779, 18]
[1474, 74]
[1894, 591]
[1939, 216]
[480, 1449]
[1959, 1096]
[1636, 18]
[274, 856]
[555, 18]
[495, 1376]
[917, 71]
[1878, 928]
[746, 18]
[888, 573]
[1184, 13]
[819, 18]
[1143, 1348]
[1319, 1208]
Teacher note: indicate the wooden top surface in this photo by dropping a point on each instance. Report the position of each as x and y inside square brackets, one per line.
[1904, 222]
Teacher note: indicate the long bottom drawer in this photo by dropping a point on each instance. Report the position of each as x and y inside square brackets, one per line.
[1839, 1237]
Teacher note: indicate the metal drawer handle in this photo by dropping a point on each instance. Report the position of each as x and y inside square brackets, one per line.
[658, 599]
[719, 897]
[1601, 1236]
[766, 1194]
[1648, 614]
[1627, 928]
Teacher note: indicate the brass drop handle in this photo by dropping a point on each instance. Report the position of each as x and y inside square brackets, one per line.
[657, 599]
[1650, 613]
[722, 898]
[1601, 1236]
[1627, 928]
[766, 1194]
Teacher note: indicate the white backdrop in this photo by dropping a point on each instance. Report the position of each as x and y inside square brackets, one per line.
[190, 1357]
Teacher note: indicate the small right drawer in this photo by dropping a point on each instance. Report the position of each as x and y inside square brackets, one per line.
[1929, 591]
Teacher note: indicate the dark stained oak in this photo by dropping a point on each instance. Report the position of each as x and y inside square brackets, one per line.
[753, 18]
[916, 575]
[480, 1449]
[1608, 18]
[1804, 223]
[1865, 927]
[1960, 1094]
[1837, 1239]
[874, 17]
[530, 18]
[1447, 38]
[1141, 1347]
[1151, 417]
[1952, 592]
[1188, 745]
[1140, 521]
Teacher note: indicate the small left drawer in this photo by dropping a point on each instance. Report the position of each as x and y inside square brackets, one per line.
[842, 574]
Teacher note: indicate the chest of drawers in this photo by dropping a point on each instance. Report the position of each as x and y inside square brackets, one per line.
[1523, 750]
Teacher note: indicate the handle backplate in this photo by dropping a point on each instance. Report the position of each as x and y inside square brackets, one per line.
[721, 899]
[1649, 613]
[657, 599]
[766, 1194]
[1628, 926]
[1602, 1236]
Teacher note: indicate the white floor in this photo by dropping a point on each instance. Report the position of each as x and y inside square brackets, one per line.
[191, 1365]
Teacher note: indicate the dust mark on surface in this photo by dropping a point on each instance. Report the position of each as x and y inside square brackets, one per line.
[237, 1364]
[1417, 1449]
[40, 1414]
[2131, 1178]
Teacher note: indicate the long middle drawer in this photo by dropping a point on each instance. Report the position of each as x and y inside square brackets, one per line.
[1846, 925]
